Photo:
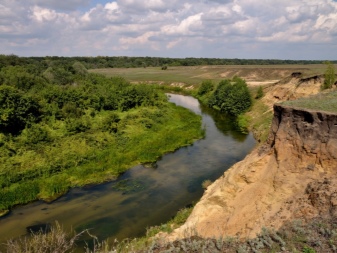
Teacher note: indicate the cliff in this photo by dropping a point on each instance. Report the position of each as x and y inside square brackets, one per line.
[292, 176]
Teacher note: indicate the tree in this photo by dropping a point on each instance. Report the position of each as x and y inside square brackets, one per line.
[329, 76]
[231, 96]
[79, 69]
[16, 110]
[19, 77]
[58, 75]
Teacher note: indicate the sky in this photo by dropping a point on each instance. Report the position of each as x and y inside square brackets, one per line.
[246, 29]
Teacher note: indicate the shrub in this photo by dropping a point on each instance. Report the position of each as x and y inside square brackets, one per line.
[206, 86]
[56, 240]
[242, 122]
[110, 123]
[231, 96]
[35, 134]
[329, 76]
[259, 93]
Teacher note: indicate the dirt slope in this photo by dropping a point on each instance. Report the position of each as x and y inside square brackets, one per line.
[292, 176]
[292, 87]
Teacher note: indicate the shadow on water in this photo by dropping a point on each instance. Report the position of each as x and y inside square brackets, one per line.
[224, 123]
[144, 195]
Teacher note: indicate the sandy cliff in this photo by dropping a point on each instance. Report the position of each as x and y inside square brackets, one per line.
[292, 176]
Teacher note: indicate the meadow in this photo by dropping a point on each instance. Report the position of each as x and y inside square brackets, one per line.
[194, 75]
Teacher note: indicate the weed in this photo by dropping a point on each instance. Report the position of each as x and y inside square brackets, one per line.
[206, 183]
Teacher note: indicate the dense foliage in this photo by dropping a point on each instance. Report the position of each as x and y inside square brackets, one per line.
[62, 127]
[231, 96]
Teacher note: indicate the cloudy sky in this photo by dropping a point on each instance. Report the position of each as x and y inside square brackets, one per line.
[263, 29]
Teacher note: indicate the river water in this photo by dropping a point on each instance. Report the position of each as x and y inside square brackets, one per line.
[150, 196]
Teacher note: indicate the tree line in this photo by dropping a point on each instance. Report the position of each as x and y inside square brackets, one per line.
[136, 62]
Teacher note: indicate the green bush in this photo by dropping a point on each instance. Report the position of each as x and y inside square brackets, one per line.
[329, 76]
[231, 96]
[259, 93]
[242, 122]
[206, 87]
[35, 134]
[110, 122]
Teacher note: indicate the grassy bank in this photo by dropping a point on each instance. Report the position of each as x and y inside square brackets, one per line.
[55, 135]
[46, 170]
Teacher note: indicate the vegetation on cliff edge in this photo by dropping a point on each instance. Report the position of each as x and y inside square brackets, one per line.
[324, 101]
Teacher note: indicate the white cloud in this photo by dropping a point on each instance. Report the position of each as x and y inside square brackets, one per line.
[42, 15]
[113, 6]
[188, 26]
[177, 28]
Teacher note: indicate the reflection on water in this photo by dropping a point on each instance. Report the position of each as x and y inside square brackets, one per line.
[146, 196]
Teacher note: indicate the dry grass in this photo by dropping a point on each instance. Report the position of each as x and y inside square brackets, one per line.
[318, 235]
[54, 241]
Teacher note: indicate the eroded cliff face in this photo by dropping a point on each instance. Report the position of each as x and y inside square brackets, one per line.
[292, 87]
[304, 139]
[293, 176]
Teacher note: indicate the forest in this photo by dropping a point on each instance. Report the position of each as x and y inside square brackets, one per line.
[136, 62]
[62, 127]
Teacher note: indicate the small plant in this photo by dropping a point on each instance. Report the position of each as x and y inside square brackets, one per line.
[259, 93]
[206, 183]
[307, 249]
[56, 240]
[329, 76]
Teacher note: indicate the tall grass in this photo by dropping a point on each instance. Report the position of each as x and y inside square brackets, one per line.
[48, 169]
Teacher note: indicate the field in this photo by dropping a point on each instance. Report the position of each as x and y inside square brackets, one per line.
[194, 75]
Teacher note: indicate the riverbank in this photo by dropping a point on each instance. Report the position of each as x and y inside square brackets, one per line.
[93, 157]
[142, 197]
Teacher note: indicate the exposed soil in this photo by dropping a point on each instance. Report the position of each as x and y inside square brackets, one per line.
[293, 176]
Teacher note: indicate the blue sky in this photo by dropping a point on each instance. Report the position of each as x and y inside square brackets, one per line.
[264, 29]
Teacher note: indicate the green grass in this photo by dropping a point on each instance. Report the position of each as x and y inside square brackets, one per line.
[259, 120]
[325, 101]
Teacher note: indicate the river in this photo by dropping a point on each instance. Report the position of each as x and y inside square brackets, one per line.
[151, 195]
